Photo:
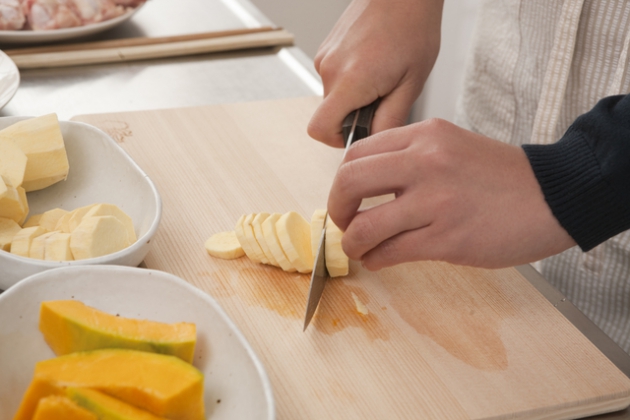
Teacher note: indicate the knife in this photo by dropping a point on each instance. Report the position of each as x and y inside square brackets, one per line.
[356, 126]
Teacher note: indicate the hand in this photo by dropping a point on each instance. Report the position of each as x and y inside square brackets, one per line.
[460, 197]
[378, 49]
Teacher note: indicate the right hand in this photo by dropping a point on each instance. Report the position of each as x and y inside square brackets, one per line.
[378, 49]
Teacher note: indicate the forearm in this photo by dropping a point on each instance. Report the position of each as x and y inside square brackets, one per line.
[585, 176]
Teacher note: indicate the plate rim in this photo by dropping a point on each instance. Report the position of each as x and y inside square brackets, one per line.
[13, 71]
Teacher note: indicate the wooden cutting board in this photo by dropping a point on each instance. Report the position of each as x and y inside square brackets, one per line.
[439, 341]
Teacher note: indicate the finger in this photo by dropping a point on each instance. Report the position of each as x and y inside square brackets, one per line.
[408, 246]
[371, 176]
[326, 123]
[395, 107]
[371, 227]
[393, 140]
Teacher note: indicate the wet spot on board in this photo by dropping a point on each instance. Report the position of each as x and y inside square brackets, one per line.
[456, 309]
[286, 294]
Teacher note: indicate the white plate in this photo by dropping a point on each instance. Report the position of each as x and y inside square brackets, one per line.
[233, 374]
[9, 79]
[100, 172]
[31, 37]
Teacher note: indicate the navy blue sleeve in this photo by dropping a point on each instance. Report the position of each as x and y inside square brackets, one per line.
[585, 176]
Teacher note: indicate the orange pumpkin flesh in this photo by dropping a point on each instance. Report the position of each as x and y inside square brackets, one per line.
[69, 326]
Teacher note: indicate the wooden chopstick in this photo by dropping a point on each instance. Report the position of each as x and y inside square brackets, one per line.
[129, 42]
[145, 48]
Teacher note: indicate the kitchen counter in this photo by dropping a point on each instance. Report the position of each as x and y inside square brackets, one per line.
[253, 75]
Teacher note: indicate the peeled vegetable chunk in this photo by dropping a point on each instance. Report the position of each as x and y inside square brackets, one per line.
[69, 326]
[337, 262]
[271, 237]
[8, 229]
[294, 234]
[32, 221]
[58, 247]
[317, 228]
[41, 141]
[224, 245]
[113, 210]
[73, 219]
[13, 204]
[12, 163]
[22, 240]
[260, 237]
[164, 385]
[49, 219]
[97, 236]
[38, 246]
[106, 407]
[57, 407]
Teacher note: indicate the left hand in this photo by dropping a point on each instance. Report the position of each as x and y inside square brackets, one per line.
[460, 197]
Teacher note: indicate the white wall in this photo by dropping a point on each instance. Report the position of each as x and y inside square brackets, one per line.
[311, 20]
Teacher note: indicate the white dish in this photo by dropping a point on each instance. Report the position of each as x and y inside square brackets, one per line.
[31, 37]
[9, 79]
[100, 172]
[233, 374]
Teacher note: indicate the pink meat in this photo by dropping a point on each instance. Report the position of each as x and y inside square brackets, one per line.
[11, 15]
[57, 14]
[92, 11]
[51, 14]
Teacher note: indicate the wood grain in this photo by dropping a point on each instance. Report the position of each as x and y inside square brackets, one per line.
[439, 342]
[149, 48]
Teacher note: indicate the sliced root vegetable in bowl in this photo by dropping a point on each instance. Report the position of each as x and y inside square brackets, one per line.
[75, 195]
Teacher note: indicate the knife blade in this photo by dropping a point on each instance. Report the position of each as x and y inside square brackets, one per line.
[356, 126]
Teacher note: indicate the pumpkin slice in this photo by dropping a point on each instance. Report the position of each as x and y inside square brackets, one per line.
[164, 385]
[69, 326]
[294, 234]
[224, 245]
[317, 228]
[248, 231]
[22, 240]
[106, 407]
[260, 238]
[271, 238]
[337, 262]
[8, 229]
[57, 407]
[40, 139]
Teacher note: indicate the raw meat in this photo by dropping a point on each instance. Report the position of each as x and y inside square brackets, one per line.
[11, 15]
[58, 14]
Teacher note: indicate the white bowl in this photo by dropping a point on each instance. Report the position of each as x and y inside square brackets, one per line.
[232, 372]
[100, 172]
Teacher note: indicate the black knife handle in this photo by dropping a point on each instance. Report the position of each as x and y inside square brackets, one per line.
[364, 123]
